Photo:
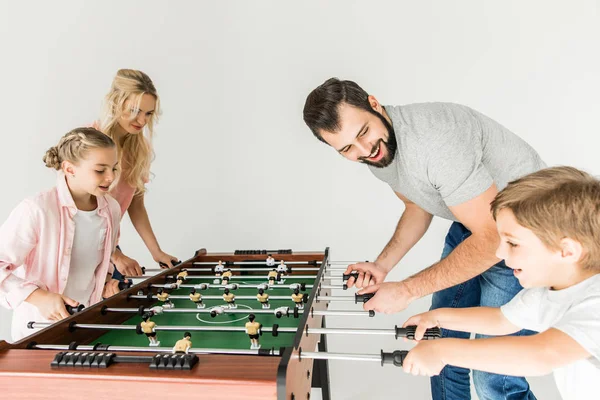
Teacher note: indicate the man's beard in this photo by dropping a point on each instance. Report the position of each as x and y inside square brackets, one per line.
[391, 145]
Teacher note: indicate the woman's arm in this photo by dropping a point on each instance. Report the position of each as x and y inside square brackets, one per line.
[141, 222]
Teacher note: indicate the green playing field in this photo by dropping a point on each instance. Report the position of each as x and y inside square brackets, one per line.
[215, 339]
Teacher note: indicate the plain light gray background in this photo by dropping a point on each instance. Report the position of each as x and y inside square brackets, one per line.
[235, 165]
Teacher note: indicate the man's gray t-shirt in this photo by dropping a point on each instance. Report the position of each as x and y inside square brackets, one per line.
[449, 154]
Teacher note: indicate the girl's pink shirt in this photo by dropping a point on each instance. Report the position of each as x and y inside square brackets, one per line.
[35, 249]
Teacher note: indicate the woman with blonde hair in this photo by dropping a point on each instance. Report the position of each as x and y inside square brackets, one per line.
[131, 109]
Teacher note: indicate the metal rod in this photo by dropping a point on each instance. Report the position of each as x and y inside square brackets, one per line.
[339, 356]
[199, 310]
[310, 331]
[35, 325]
[225, 264]
[342, 313]
[351, 331]
[336, 262]
[231, 277]
[281, 286]
[258, 269]
[182, 297]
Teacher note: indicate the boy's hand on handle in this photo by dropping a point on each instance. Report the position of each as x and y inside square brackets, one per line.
[126, 266]
[369, 273]
[426, 358]
[423, 322]
[51, 305]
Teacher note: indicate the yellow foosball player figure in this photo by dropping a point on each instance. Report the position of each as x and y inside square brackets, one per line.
[270, 261]
[226, 276]
[297, 298]
[263, 298]
[182, 276]
[253, 329]
[219, 268]
[164, 297]
[147, 327]
[183, 345]
[229, 298]
[196, 298]
[273, 275]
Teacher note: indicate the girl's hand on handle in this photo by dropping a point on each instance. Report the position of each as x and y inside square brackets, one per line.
[51, 305]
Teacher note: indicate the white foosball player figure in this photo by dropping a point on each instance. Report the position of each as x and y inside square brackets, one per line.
[281, 311]
[270, 261]
[219, 268]
[282, 268]
[217, 310]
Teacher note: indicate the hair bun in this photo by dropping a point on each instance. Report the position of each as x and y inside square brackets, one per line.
[51, 158]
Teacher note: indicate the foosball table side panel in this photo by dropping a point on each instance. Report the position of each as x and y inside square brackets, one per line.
[295, 374]
[26, 374]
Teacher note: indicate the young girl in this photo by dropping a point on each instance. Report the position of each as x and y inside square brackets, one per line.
[131, 109]
[55, 247]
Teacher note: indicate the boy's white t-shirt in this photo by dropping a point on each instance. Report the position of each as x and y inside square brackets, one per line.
[574, 311]
[87, 253]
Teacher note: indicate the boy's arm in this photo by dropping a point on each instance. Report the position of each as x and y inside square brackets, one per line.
[508, 355]
[484, 320]
[515, 355]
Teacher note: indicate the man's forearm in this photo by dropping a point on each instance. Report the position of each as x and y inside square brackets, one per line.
[483, 320]
[411, 227]
[469, 259]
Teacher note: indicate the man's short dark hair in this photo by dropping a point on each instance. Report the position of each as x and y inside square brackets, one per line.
[322, 104]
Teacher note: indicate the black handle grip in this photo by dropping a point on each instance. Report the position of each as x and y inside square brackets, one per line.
[396, 358]
[174, 262]
[409, 333]
[354, 275]
[72, 310]
[363, 298]
[125, 285]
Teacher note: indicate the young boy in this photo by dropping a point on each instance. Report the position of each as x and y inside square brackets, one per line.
[549, 227]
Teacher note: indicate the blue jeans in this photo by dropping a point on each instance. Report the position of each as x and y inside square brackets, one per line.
[116, 274]
[493, 288]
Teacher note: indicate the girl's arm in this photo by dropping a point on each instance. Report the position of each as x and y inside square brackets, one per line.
[18, 237]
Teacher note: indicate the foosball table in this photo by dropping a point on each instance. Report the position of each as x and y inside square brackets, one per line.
[248, 324]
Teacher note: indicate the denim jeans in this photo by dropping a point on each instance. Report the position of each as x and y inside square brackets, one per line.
[493, 288]
[116, 274]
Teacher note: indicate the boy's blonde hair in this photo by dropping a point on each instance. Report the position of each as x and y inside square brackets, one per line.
[135, 153]
[74, 146]
[557, 203]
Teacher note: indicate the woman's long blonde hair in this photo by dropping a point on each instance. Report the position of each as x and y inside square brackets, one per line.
[135, 153]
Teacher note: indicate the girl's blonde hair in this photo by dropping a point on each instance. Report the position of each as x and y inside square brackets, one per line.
[74, 146]
[136, 152]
